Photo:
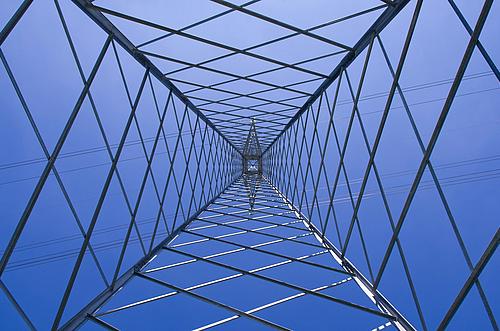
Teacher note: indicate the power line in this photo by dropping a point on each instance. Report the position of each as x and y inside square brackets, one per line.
[199, 146]
[185, 133]
[472, 177]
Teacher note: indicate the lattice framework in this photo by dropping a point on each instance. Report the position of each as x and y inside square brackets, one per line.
[213, 124]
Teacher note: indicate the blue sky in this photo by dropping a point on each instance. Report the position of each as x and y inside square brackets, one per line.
[466, 158]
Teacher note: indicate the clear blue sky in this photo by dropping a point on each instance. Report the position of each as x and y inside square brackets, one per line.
[466, 158]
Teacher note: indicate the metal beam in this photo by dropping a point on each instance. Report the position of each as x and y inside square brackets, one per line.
[88, 8]
[474, 275]
[213, 302]
[105, 295]
[18, 307]
[384, 19]
[52, 160]
[14, 20]
[281, 24]
[400, 322]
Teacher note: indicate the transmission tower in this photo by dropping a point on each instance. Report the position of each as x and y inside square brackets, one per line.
[249, 165]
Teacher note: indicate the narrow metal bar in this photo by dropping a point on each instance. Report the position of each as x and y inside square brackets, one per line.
[50, 164]
[141, 191]
[331, 126]
[11, 24]
[400, 322]
[258, 231]
[246, 247]
[80, 317]
[439, 188]
[169, 175]
[16, 305]
[480, 46]
[261, 221]
[238, 220]
[102, 323]
[192, 151]
[236, 96]
[213, 302]
[435, 134]
[282, 24]
[202, 40]
[141, 139]
[165, 188]
[260, 210]
[266, 243]
[236, 234]
[272, 304]
[95, 112]
[208, 19]
[204, 284]
[258, 201]
[473, 277]
[186, 168]
[47, 155]
[97, 210]
[226, 73]
[384, 19]
[388, 212]
[285, 284]
[240, 211]
[88, 8]
[383, 120]
[279, 39]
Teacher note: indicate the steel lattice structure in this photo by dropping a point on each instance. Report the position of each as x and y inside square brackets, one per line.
[246, 181]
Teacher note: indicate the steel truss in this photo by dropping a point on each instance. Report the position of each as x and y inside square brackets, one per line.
[240, 173]
[275, 227]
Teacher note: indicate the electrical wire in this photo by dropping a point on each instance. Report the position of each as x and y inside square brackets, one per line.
[472, 177]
